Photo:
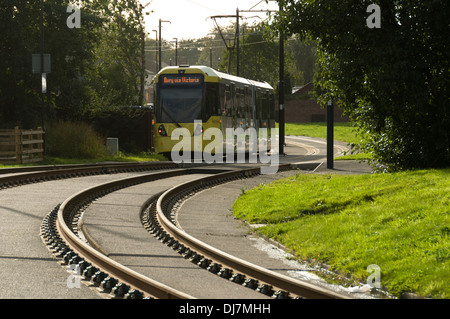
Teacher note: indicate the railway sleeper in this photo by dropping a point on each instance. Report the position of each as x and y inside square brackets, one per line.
[88, 272]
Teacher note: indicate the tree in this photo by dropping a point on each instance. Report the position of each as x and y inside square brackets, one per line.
[258, 56]
[118, 72]
[97, 65]
[393, 81]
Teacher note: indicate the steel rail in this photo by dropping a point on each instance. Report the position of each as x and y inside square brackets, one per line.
[89, 254]
[52, 173]
[280, 281]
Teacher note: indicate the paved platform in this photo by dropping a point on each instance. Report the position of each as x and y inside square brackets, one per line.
[208, 217]
[27, 269]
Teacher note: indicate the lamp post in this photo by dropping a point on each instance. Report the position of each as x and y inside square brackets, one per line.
[160, 42]
[176, 51]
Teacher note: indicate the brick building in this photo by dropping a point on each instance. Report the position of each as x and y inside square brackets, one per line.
[300, 109]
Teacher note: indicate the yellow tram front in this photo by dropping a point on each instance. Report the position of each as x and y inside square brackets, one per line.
[187, 96]
[180, 99]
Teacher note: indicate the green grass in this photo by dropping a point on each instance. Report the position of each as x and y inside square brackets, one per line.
[343, 132]
[398, 221]
[51, 160]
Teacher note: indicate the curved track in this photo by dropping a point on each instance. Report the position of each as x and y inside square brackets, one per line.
[61, 234]
[60, 230]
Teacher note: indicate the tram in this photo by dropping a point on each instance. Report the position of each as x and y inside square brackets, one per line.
[185, 95]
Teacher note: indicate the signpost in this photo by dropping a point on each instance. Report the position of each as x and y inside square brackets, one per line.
[330, 134]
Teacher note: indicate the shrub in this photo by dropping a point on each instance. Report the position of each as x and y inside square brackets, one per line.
[73, 140]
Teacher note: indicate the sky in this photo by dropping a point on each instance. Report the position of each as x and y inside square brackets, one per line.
[190, 18]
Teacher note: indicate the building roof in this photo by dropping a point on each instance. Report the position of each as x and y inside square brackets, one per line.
[306, 88]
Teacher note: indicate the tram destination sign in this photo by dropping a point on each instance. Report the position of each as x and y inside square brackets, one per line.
[181, 79]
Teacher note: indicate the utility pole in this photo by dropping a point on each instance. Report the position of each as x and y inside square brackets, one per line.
[156, 49]
[281, 113]
[42, 65]
[210, 57]
[160, 44]
[237, 41]
[281, 92]
[176, 51]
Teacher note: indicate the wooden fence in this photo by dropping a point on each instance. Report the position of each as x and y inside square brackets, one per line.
[21, 146]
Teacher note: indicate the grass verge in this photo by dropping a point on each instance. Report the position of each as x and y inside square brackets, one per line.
[343, 132]
[398, 221]
[52, 160]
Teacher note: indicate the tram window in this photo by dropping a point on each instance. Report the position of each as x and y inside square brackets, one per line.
[240, 102]
[271, 106]
[228, 102]
[222, 98]
[259, 104]
[212, 101]
[265, 105]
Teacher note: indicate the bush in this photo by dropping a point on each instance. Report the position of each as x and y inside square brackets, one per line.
[73, 140]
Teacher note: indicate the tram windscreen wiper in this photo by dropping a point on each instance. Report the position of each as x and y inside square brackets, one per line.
[170, 117]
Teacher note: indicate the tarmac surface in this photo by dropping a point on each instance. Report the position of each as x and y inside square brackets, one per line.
[29, 271]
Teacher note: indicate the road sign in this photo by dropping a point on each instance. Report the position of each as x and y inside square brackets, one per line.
[37, 61]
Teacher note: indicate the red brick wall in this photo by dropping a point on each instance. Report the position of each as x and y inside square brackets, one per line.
[306, 111]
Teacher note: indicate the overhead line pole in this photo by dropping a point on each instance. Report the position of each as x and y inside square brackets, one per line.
[160, 44]
[176, 51]
[237, 42]
[281, 113]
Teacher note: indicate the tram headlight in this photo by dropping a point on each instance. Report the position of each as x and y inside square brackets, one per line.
[198, 130]
[162, 130]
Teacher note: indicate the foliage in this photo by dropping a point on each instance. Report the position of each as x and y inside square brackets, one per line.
[259, 58]
[398, 221]
[96, 65]
[118, 74]
[393, 81]
[73, 140]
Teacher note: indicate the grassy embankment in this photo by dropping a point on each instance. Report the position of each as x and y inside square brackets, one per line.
[343, 132]
[398, 221]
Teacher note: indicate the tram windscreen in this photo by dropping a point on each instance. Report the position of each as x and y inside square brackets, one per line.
[182, 105]
[180, 98]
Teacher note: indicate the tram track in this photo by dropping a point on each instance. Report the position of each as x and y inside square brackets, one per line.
[13, 177]
[60, 233]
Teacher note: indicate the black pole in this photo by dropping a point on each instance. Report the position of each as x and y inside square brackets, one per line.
[159, 47]
[281, 93]
[42, 66]
[160, 44]
[330, 134]
[156, 48]
[211, 57]
[237, 42]
[176, 51]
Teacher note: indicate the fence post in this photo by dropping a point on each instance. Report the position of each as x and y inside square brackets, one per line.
[18, 135]
[41, 145]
